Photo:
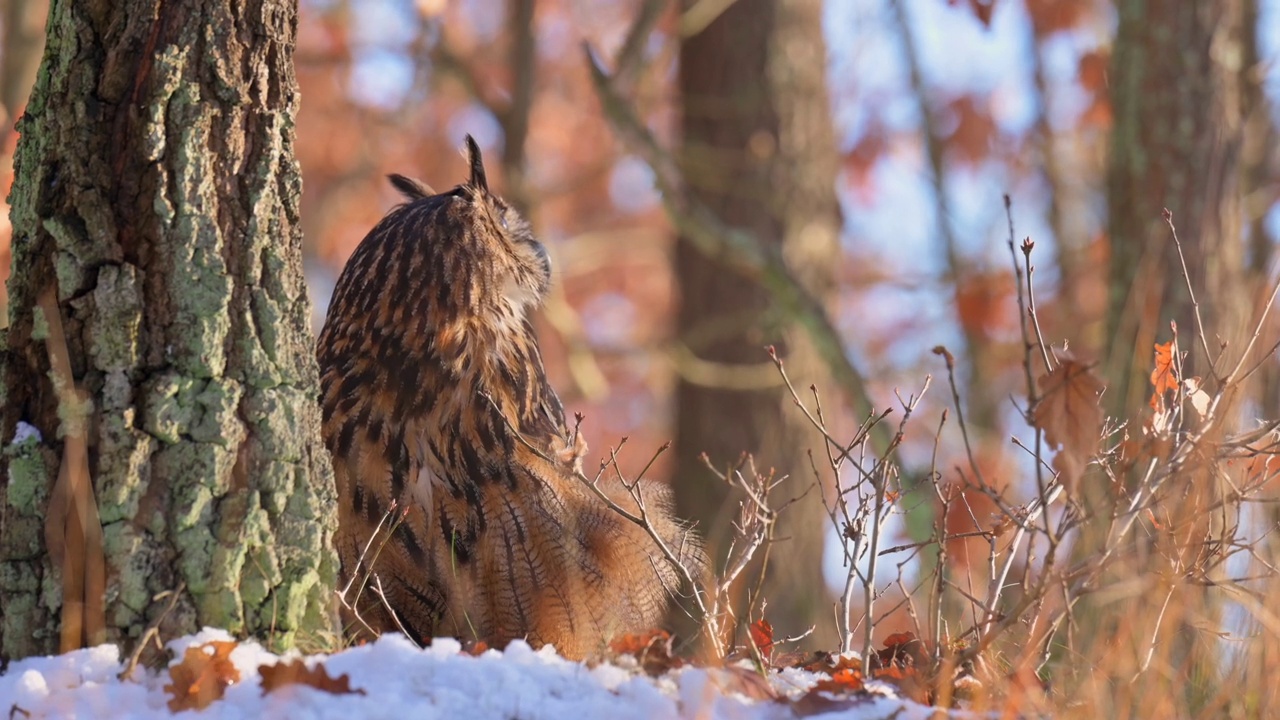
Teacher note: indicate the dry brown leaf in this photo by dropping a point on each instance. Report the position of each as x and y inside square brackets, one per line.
[1070, 416]
[843, 681]
[1197, 396]
[636, 643]
[651, 649]
[475, 648]
[202, 677]
[762, 636]
[1000, 524]
[296, 672]
[1164, 375]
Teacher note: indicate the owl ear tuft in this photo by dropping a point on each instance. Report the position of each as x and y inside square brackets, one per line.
[409, 187]
[476, 163]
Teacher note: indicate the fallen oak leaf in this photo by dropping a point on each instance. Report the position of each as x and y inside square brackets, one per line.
[296, 672]
[636, 643]
[829, 664]
[841, 682]
[651, 649]
[804, 659]
[907, 679]
[203, 676]
[903, 649]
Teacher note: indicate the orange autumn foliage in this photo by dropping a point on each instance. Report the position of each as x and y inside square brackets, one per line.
[1164, 375]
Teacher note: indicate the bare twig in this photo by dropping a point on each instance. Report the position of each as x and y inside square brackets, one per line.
[1195, 304]
[739, 250]
[153, 630]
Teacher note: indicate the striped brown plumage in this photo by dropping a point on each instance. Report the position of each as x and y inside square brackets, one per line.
[429, 369]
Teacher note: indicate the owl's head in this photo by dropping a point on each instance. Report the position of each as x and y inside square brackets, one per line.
[494, 246]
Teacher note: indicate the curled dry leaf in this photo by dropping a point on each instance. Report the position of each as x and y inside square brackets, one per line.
[902, 649]
[296, 672]
[1196, 395]
[202, 677]
[1070, 415]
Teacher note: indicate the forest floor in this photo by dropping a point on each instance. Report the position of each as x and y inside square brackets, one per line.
[391, 678]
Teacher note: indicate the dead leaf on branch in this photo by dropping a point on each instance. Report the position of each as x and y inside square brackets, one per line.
[203, 676]
[761, 632]
[1070, 414]
[1166, 379]
[1196, 395]
[283, 674]
[1164, 375]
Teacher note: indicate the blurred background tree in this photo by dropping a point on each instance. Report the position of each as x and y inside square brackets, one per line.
[937, 108]
[1184, 81]
[757, 150]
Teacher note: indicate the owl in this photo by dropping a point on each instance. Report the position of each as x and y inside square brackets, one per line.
[463, 511]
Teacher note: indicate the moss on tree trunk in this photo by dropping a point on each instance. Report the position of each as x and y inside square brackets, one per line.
[156, 190]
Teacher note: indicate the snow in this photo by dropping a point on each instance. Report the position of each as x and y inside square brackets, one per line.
[400, 680]
[24, 432]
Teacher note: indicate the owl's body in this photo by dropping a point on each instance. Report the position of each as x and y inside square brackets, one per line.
[429, 369]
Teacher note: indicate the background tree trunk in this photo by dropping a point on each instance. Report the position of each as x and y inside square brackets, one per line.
[157, 194]
[758, 150]
[1176, 90]
[1179, 99]
[22, 22]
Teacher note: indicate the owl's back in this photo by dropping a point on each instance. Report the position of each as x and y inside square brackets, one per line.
[460, 509]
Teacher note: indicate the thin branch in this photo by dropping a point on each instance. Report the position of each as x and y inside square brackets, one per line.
[738, 249]
[1195, 304]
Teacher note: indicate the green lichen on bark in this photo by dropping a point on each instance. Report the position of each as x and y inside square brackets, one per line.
[27, 481]
[157, 192]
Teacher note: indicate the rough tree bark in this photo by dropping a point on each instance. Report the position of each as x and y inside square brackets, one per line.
[759, 151]
[1177, 94]
[157, 195]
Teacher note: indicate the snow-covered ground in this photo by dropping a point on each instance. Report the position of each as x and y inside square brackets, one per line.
[399, 680]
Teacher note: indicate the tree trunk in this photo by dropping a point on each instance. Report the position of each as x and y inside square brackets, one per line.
[1178, 99]
[759, 152]
[156, 194]
[1177, 96]
[23, 25]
